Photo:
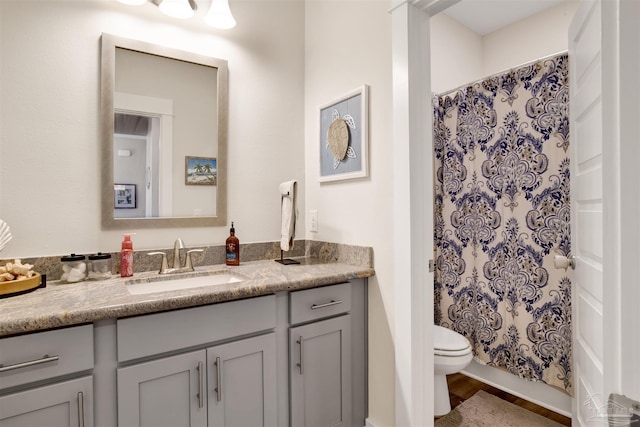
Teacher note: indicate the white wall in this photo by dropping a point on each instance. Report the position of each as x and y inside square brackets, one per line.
[49, 110]
[348, 44]
[456, 54]
[131, 170]
[543, 34]
[460, 56]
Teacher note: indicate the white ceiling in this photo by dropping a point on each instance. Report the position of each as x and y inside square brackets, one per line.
[486, 16]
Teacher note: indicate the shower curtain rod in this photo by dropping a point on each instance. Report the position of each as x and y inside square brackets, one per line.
[533, 61]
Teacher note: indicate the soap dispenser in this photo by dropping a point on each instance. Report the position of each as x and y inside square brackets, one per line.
[126, 257]
[233, 247]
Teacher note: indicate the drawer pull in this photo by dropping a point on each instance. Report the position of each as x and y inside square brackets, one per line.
[45, 359]
[80, 409]
[200, 385]
[218, 379]
[300, 341]
[327, 304]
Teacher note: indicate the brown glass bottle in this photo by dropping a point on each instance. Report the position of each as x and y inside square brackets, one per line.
[233, 248]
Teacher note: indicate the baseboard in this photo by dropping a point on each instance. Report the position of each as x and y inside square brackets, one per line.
[538, 393]
[369, 423]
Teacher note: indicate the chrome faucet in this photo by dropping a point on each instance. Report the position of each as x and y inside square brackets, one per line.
[188, 263]
[179, 244]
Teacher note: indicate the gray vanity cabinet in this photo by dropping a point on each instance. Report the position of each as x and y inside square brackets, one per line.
[163, 392]
[63, 404]
[233, 384]
[45, 378]
[242, 382]
[321, 373]
[291, 359]
[228, 384]
[327, 361]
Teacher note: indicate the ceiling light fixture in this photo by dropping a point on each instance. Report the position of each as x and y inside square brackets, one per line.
[180, 9]
[133, 2]
[218, 16]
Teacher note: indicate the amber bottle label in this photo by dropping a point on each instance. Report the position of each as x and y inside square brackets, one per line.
[232, 254]
[231, 250]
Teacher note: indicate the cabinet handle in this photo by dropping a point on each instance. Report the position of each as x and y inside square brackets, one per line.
[200, 386]
[218, 380]
[300, 341]
[45, 359]
[80, 409]
[326, 304]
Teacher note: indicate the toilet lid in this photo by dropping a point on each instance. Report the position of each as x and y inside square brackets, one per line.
[448, 342]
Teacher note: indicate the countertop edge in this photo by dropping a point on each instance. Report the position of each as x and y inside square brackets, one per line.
[264, 279]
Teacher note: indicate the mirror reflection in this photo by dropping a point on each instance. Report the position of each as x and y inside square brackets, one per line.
[166, 137]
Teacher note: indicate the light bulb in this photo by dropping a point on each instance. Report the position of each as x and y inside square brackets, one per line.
[180, 9]
[219, 15]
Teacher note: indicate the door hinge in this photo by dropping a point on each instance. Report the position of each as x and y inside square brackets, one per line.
[431, 266]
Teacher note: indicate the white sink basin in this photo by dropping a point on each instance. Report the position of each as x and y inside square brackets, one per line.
[183, 283]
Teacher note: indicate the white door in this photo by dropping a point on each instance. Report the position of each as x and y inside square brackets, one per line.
[587, 212]
[605, 198]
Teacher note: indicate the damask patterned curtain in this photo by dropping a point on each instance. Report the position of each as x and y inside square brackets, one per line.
[502, 214]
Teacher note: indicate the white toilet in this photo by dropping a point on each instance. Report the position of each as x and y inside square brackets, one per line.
[452, 353]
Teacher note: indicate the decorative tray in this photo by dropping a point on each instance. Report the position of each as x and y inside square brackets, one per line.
[19, 287]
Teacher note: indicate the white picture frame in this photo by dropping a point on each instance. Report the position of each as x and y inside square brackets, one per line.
[351, 112]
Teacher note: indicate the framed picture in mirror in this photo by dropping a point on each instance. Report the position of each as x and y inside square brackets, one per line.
[200, 170]
[125, 196]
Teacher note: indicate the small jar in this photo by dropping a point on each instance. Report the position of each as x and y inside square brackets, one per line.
[99, 267]
[74, 268]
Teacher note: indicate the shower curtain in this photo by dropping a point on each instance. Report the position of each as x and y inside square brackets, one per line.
[502, 214]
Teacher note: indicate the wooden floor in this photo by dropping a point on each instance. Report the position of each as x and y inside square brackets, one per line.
[462, 387]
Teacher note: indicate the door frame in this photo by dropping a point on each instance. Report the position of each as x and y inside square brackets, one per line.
[162, 110]
[412, 212]
[413, 209]
[621, 92]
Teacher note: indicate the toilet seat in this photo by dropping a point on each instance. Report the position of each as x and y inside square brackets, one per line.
[449, 343]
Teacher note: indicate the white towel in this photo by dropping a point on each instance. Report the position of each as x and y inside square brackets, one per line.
[288, 191]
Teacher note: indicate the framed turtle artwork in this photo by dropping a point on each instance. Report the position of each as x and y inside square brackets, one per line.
[344, 137]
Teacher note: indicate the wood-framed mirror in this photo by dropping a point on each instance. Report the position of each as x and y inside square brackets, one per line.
[164, 136]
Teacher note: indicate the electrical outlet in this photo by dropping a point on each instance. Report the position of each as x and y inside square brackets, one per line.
[314, 221]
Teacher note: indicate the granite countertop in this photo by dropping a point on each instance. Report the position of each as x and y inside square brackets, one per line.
[60, 304]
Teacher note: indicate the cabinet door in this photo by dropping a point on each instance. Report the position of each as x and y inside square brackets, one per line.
[65, 404]
[320, 372]
[167, 392]
[242, 383]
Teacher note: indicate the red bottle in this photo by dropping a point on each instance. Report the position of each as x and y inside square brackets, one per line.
[126, 257]
[233, 248]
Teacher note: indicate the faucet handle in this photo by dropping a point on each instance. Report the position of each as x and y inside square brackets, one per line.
[187, 262]
[165, 266]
